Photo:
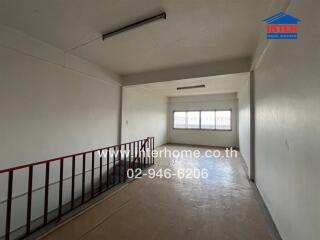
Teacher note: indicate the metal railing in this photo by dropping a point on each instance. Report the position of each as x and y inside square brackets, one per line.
[125, 156]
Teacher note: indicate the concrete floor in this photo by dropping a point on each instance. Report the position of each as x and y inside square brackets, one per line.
[224, 206]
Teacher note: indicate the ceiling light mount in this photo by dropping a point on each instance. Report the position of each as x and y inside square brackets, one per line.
[140, 23]
[191, 87]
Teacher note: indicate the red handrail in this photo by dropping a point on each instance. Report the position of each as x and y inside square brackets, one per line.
[69, 156]
[103, 186]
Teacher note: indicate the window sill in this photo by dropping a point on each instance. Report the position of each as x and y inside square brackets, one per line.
[203, 129]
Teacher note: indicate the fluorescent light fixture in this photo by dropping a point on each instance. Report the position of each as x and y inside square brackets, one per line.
[190, 87]
[162, 15]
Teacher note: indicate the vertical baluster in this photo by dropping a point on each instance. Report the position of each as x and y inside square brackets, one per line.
[138, 154]
[100, 173]
[28, 225]
[9, 202]
[73, 180]
[92, 174]
[134, 154]
[46, 194]
[152, 149]
[119, 160]
[148, 149]
[150, 157]
[83, 178]
[130, 154]
[137, 160]
[125, 163]
[108, 164]
[60, 188]
[144, 154]
[114, 166]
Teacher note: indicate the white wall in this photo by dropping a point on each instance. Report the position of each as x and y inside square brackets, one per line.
[52, 105]
[244, 123]
[287, 97]
[202, 137]
[144, 114]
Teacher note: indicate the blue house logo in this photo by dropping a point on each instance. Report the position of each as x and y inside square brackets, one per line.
[282, 26]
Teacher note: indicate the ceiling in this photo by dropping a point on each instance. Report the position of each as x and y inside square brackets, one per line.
[194, 31]
[215, 84]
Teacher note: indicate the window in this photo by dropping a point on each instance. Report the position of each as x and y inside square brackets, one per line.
[180, 120]
[206, 120]
[223, 120]
[193, 119]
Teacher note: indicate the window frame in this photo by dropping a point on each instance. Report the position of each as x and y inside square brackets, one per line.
[186, 128]
[200, 128]
[173, 119]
